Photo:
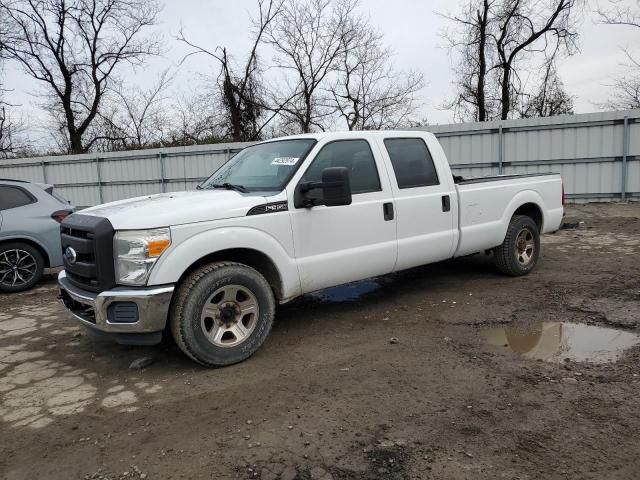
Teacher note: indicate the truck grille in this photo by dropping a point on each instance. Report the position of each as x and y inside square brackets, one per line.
[87, 248]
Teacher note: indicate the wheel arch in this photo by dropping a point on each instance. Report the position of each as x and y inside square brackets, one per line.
[247, 256]
[533, 211]
[30, 241]
[250, 246]
[526, 202]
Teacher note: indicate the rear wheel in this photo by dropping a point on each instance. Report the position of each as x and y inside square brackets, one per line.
[21, 266]
[222, 313]
[519, 252]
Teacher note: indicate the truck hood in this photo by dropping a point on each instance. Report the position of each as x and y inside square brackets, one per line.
[175, 208]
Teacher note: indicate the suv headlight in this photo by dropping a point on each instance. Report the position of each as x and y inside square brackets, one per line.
[136, 252]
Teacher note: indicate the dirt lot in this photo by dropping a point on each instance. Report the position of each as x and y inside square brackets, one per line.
[490, 377]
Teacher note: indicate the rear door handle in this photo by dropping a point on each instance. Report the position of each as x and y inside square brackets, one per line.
[387, 210]
[446, 203]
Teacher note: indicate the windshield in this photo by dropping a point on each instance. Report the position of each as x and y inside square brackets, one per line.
[262, 167]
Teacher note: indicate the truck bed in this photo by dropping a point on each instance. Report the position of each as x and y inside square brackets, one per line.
[486, 205]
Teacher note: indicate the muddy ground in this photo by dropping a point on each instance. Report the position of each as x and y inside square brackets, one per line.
[491, 377]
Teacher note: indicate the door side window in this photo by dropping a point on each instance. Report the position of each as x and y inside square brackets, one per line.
[412, 162]
[356, 156]
[13, 197]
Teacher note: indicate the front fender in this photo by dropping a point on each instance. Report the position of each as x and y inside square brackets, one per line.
[177, 259]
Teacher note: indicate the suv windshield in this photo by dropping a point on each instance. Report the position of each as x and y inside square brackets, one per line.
[263, 167]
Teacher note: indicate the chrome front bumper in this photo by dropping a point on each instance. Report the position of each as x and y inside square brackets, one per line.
[92, 309]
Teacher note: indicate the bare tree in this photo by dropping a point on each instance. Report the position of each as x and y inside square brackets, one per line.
[309, 38]
[618, 12]
[241, 89]
[9, 130]
[626, 93]
[497, 45]
[524, 26]
[135, 117]
[550, 98]
[75, 48]
[13, 130]
[475, 63]
[367, 92]
[197, 120]
[626, 88]
[11, 126]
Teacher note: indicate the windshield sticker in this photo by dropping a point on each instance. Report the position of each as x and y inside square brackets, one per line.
[285, 160]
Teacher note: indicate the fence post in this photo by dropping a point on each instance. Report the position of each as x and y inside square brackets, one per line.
[163, 185]
[500, 147]
[100, 195]
[625, 153]
[44, 171]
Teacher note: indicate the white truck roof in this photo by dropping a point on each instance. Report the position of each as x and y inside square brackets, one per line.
[355, 134]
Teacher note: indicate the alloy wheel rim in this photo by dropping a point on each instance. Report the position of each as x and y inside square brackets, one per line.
[525, 246]
[17, 267]
[229, 316]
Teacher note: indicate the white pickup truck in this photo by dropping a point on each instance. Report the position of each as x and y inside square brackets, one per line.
[283, 218]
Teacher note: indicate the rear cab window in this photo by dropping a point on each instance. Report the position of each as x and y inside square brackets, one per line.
[356, 156]
[412, 162]
[14, 197]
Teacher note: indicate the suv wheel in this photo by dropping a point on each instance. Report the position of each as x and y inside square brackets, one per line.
[21, 266]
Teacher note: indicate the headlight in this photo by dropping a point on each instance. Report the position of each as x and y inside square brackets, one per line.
[136, 252]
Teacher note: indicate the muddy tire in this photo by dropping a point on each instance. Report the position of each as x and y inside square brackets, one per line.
[222, 313]
[519, 252]
[21, 267]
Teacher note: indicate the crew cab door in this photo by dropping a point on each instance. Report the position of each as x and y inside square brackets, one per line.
[339, 244]
[425, 200]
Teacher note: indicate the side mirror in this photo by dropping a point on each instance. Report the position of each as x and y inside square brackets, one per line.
[335, 186]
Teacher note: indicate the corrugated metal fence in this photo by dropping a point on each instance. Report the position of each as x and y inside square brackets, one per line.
[597, 154]
[91, 179]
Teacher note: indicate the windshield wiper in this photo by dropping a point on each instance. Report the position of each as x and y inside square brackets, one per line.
[229, 186]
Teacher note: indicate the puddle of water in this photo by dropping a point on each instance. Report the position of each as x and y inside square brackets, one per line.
[557, 341]
[349, 292]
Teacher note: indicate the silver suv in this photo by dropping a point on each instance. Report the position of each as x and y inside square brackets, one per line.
[30, 216]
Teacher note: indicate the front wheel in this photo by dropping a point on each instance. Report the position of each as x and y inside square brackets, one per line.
[222, 313]
[519, 252]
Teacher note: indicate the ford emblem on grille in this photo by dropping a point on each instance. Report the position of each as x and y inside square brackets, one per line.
[71, 255]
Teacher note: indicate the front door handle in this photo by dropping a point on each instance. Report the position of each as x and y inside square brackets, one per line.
[387, 210]
[446, 203]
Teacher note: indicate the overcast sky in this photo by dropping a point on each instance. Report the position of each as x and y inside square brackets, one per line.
[411, 28]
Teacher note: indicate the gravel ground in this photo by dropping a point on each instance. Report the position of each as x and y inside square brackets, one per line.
[447, 371]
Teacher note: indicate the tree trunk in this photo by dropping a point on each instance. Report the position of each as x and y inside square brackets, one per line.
[306, 122]
[482, 73]
[506, 92]
[482, 109]
[233, 107]
[75, 141]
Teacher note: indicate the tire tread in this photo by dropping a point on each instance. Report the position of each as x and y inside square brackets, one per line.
[504, 257]
[179, 301]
